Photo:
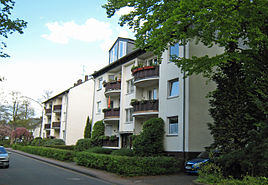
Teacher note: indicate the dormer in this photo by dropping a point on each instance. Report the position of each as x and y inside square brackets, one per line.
[120, 48]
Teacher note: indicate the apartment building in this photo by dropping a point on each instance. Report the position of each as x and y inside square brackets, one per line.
[135, 87]
[65, 114]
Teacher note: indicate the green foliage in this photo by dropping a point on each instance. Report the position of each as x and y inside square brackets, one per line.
[158, 24]
[87, 132]
[83, 144]
[98, 130]
[240, 119]
[38, 141]
[100, 150]
[5, 142]
[58, 154]
[63, 147]
[8, 26]
[123, 152]
[53, 142]
[150, 141]
[129, 166]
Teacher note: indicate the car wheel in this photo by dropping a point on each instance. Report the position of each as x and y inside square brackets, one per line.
[7, 166]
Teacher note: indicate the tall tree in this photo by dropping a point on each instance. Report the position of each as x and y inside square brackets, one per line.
[239, 104]
[7, 24]
[87, 132]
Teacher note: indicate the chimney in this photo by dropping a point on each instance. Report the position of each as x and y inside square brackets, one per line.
[86, 78]
[79, 82]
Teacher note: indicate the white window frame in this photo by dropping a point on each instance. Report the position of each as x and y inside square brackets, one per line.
[99, 107]
[129, 115]
[176, 53]
[100, 81]
[170, 86]
[170, 132]
[130, 86]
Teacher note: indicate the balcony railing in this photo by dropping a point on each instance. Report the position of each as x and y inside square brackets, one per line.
[48, 111]
[56, 125]
[113, 85]
[57, 108]
[47, 126]
[111, 143]
[145, 106]
[145, 72]
[111, 113]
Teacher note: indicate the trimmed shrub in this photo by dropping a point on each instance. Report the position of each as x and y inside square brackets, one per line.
[83, 144]
[150, 141]
[100, 150]
[58, 154]
[38, 141]
[53, 142]
[98, 129]
[129, 166]
[123, 152]
[63, 147]
[87, 131]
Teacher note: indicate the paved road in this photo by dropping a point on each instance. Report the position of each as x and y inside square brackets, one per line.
[27, 171]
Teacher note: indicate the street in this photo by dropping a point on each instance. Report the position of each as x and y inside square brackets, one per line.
[28, 171]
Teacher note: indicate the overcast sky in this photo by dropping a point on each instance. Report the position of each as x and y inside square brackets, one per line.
[64, 39]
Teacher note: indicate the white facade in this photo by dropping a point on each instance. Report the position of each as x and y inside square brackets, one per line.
[179, 101]
[65, 114]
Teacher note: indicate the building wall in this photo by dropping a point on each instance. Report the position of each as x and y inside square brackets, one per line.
[198, 133]
[80, 101]
[126, 98]
[169, 107]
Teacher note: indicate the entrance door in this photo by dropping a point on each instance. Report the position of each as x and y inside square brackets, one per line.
[126, 141]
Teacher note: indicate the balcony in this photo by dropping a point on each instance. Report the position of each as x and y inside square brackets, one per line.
[145, 108]
[57, 108]
[56, 125]
[48, 112]
[111, 114]
[47, 126]
[146, 76]
[112, 88]
[110, 143]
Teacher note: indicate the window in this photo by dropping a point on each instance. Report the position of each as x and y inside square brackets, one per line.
[111, 77]
[122, 49]
[115, 52]
[173, 51]
[99, 107]
[173, 89]
[109, 130]
[129, 117]
[130, 86]
[155, 94]
[173, 125]
[100, 83]
[152, 94]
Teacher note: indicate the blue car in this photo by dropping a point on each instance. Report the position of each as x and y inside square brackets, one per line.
[192, 166]
[4, 157]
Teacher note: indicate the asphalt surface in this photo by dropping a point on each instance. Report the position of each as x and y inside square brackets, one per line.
[28, 171]
[94, 174]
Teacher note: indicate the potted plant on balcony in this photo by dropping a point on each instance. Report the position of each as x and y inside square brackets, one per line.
[106, 110]
[134, 102]
[113, 138]
[136, 68]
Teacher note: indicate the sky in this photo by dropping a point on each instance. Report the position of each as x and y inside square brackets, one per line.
[64, 40]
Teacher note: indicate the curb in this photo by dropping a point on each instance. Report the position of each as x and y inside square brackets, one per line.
[48, 160]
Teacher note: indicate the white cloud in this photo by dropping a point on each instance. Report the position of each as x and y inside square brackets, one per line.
[124, 11]
[92, 30]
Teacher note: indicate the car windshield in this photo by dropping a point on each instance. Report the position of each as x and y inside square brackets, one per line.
[2, 150]
[203, 155]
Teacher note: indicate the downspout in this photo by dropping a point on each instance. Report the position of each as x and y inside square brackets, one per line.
[184, 107]
[65, 129]
[93, 104]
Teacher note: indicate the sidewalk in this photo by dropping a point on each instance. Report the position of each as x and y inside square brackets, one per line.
[177, 179]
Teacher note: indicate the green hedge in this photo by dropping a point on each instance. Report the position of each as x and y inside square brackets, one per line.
[64, 147]
[129, 166]
[58, 154]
